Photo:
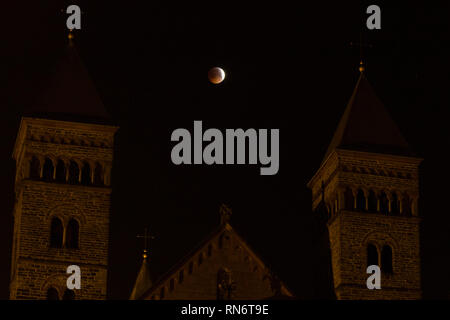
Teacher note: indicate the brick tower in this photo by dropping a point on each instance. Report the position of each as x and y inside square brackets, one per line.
[64, 154]
[369, 184]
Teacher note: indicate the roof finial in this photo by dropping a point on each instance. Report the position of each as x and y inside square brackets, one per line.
[225, 214]
[70, 37]
[361, 67]
[146, 237]
[361, 45]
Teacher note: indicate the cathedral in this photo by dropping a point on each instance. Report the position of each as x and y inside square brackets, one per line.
[364, 198]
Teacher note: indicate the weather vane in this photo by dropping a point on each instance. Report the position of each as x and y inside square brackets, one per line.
[146, 236]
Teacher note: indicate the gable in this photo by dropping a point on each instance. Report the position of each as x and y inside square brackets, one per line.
[223, 258]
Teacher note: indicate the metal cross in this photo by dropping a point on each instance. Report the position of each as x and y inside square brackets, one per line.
[361, 46]
[146, 236]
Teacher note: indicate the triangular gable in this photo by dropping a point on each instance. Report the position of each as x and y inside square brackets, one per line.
[223, 254]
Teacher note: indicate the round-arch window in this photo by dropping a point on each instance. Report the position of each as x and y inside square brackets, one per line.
[72, 234]
[56, 233]
[52, 294]
[69, 295]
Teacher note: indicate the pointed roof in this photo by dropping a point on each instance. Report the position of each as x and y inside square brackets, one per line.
[144, 281]
[367, 126]
[70, 93]
[224, 226]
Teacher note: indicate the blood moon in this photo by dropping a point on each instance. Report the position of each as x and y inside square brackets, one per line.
[216, 75]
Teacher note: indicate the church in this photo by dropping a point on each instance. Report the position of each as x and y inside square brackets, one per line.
[364, 198]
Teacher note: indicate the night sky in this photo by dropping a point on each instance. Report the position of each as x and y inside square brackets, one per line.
[288, 66]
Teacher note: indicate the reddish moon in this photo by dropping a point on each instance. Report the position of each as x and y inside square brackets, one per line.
[216, 75]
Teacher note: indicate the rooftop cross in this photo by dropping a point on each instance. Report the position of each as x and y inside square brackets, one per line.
[146, 236]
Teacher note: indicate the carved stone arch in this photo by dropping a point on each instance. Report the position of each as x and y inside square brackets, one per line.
[56, 281]
[65, 212]
[381, 238]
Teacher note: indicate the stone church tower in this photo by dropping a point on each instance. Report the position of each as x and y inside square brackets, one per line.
[63, 154]
[369, 184]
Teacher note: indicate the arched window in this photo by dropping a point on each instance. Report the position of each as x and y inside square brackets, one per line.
[162, 294]
[360, 201]
[171, 285]
[372, 201]
[191, 267]
[69, 295]
[47, 173]
[384, 203]
[61, 171]
[52, 294]
[394, 204]
[372, 255]
[86, 174]
[74, 172]
[181, 276]
[200, 258]
[56, 233]
[35, 168]
[72, 233]
[98, 175]
[209, 250]
[386, 259]
[349, 199]
[406, 205]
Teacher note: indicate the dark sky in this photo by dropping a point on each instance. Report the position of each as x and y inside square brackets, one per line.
[289, 66]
